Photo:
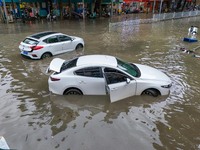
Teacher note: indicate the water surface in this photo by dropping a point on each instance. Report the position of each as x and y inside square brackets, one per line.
[32, 118]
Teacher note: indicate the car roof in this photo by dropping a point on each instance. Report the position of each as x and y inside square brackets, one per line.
[42, 34]
[102, 60]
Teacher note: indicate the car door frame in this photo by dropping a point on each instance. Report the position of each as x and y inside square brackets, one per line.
[83, 80]
[54, 51]
[67, 43]
[122, 89]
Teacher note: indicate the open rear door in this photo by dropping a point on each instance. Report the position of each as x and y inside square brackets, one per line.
[121, 89]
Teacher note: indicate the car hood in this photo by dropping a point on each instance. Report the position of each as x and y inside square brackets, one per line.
[75, 37]
[56, 64]
[151, 73]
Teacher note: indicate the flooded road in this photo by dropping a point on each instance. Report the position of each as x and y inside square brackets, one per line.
[32, 118]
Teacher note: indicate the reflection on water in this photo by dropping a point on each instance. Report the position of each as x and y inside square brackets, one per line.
[32, 117]
[92, 114]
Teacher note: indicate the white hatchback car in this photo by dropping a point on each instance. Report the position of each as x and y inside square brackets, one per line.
[103, 74]
[47, 44]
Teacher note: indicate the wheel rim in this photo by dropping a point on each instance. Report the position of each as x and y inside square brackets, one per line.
[46, 55]
[73, 92]
[79, 47]
[148, 93]
[151, 93]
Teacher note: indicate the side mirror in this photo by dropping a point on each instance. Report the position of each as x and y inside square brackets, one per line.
[128, 80]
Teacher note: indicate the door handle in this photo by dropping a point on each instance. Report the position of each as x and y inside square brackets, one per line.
[113, 89]
[81, 82]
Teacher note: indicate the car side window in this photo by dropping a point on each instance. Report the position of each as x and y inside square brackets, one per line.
[114, 76]
[112, 70]
[52, 39]
[95, 72]
[64, 38]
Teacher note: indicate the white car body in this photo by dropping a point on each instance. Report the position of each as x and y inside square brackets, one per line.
[49, 43]
[3, 143]
[103, 74]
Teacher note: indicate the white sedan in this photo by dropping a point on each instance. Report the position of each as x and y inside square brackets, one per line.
[103, 74]
[47, 44]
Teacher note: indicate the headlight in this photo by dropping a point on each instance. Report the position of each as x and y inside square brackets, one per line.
[166, 86]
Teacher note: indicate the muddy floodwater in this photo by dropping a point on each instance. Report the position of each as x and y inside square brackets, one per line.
[33, 119]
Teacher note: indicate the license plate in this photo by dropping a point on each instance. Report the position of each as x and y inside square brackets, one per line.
[25, 52]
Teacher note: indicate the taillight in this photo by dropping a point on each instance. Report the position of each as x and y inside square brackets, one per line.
[54, 79]
[36, 47]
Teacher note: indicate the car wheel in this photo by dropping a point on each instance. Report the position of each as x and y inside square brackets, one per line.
[46, 55]
[73, 91]
[79, 46]
[151, 92]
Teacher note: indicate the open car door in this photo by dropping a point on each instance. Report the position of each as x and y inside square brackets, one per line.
[119, 86]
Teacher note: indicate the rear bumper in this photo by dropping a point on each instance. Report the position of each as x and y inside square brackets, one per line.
[55, 87]
[29, 54]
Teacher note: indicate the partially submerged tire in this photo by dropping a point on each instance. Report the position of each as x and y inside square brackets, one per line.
[79, 47]
[151, 92]
[46, 55]
[72, 91]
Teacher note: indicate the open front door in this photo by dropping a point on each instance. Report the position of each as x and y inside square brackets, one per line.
[119, 86]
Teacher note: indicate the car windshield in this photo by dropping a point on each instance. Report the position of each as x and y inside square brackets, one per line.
[129, 68]
[30, 41]
[68, 64]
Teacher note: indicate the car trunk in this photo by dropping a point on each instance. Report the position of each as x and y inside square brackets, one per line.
[28, 44]
[56, 65]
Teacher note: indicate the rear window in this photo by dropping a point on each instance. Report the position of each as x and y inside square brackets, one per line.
[30, 41]
[68, 64]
